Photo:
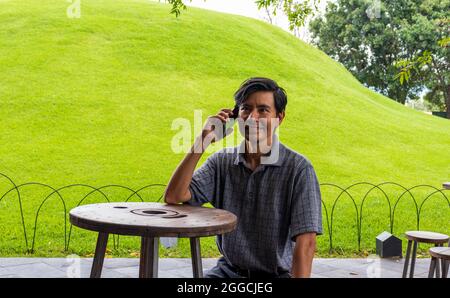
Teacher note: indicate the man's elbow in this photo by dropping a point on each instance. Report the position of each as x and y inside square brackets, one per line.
[170, 199]
[307, 241]
[173, 199]
[312, 243]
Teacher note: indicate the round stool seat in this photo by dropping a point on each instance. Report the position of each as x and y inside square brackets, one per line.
[442, 253]
[427, 237]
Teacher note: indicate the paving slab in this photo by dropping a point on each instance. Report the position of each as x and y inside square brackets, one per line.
[178, 267]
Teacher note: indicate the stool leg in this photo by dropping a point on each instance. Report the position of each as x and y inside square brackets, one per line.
[444, 268]
[100, 250]
[408, 254]
[196, 258]
[148, 264]
[413, 259]
[432, 267]
[438, 271]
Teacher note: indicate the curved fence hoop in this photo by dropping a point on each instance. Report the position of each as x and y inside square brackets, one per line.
[406, 190]
[358, 215]
[37, 214]
[108, 186]
[20, 206]
[145, 187]
[430, 195]
[94, 189]
[67, 243]
[328, 225]
[334, 206]
[415, 202]
[362, 204]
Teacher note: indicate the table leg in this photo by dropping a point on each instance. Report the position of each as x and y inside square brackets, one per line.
[100, 249]
[408, 254]
[413, 259]
[196, 258]
[148, 265]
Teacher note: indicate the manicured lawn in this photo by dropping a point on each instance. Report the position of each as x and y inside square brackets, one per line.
[92, 101]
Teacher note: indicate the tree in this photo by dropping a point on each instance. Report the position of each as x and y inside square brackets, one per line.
[369, 44]
[296, 11]
[435, 68]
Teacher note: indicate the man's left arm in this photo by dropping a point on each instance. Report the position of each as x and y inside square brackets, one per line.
[305, 247]
[306, 220]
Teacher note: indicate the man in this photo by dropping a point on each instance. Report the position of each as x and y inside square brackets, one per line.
[272, 189]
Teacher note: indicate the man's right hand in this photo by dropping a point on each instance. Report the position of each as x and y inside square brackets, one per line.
[213, 129]
[177, 191]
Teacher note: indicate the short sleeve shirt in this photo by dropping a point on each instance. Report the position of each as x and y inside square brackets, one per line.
[274, 203]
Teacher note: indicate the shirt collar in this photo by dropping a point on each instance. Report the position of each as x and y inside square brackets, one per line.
[273, 158]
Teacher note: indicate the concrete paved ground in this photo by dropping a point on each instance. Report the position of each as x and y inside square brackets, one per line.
[129, 268]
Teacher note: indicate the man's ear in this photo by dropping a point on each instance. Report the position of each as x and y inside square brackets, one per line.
[281, 117]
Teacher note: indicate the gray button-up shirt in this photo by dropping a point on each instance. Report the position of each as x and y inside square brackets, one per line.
[275, 203]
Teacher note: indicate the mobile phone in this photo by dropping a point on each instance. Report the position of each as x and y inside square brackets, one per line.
[235, 112]
[232, 120]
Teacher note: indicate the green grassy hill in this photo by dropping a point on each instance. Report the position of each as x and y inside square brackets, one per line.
[92, 100]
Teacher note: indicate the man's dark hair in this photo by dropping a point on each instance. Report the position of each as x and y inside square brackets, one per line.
[253, 85]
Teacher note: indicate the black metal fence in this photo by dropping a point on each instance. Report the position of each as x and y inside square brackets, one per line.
[329, 206]
[392, 206]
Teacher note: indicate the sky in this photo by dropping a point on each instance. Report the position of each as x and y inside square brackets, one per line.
[248, 8]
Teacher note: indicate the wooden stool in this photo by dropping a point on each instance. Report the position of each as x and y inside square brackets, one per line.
[151, 221]
[424, 237]
[442, 254]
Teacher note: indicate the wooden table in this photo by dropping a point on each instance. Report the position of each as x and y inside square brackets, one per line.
[151, 221]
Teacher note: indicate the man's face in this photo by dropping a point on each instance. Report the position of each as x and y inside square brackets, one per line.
[260, 118]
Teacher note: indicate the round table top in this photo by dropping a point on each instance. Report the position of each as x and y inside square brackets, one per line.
[440, 252]
[153, 219]
[446, 185]
[427, 237]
